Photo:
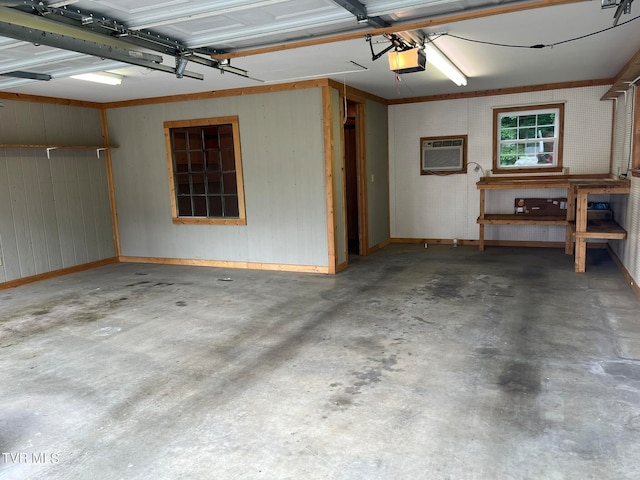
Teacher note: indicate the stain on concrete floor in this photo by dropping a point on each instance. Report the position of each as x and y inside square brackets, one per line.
[413, 363]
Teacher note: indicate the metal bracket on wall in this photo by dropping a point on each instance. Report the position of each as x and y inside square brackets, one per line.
[49, 151]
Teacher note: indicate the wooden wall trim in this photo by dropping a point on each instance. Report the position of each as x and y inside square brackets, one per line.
[280, 267]
[355, 94]
[635, 154]
[352, 93]
[343, 190]
[327, 109]
[400, 27]
[433, 241]
[21, 97]
[233, 92]
[379, 246]
[503, 91]
[614, 106]
[110, 182]
[57, 273]
[363, 179]
[630, 280]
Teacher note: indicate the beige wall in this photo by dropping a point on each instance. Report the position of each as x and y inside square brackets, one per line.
[281, 135]
[446, 207]
[54, 212]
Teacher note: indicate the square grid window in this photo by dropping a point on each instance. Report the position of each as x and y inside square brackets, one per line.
[528, 139]
[206, 171]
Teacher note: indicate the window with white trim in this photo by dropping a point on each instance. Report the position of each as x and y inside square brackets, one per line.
[528, 139]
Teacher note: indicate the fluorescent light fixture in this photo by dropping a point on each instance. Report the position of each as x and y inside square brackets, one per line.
[99, 77]
[436, 58]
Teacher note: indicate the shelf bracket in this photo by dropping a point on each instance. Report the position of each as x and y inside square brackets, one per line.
[98, 150]
[49, 151]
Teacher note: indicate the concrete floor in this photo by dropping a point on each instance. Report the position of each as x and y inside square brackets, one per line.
[438, 363]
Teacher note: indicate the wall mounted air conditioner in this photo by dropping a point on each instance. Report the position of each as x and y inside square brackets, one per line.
[443, 154]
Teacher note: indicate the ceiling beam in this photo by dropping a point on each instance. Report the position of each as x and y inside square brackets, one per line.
[398, 27]
[360, 12]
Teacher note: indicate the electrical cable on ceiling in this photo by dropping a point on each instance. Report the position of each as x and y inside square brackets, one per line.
[539, 45]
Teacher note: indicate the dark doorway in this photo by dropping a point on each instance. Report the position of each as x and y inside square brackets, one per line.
[351, 178]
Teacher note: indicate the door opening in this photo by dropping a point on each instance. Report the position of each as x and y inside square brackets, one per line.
[352, 175]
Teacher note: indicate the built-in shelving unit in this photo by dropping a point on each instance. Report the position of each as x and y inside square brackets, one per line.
[578, 228]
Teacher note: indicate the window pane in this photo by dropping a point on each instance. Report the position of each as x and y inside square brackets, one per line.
[200, 206]
[525, 133]
[215, 206]
[531, 148]
[527, 121]
[182, 185]
[210, 135]
[226, 136]
[229, 182]
[547, 132]
[231, 207]
[213, 160]
[198, 182]
[181, 162]
[547, 119]
[509, 121]
[214, 184]
[508, 154]
[509, 134]
[184, 207]
[228, 161]
[195, 138]
[179, 140]
[197, 161]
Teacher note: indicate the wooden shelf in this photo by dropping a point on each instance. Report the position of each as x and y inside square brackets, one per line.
[511, 183]
[600, 186]
[519, 219]
[605, 229]
[48, 148]
[578, 229]
[30, 145]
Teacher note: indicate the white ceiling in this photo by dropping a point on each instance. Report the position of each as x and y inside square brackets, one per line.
[241, 25]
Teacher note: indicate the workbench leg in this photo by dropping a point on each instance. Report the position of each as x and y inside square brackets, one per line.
[581, 254]
[571, 204]
[481, 237]
[568, 241]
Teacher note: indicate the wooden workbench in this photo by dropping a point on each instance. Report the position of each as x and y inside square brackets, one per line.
[578, 190]
[579, 227]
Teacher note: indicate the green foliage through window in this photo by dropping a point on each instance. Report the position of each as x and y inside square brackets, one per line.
[528, 138]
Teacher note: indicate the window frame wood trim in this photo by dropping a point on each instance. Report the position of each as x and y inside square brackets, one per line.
[496, 169]
[202, 122]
